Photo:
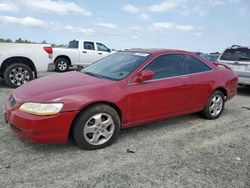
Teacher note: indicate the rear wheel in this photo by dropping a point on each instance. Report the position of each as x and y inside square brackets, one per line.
[17, 74]
[214, 106]
[96, 127]
[62, 64]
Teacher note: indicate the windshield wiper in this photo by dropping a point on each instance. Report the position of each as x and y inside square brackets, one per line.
[93, 74]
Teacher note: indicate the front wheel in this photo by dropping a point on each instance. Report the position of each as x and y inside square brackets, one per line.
[17, 74]
[214, 106]
[96, 127]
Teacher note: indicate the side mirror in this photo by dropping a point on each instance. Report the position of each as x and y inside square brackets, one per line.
[109, 50]
[143, 76]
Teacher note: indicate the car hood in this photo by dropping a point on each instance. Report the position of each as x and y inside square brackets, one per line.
[55, 86]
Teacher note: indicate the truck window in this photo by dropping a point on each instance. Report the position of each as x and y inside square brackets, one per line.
[240, 54]
[102, 47]
[73, 44]
[89, 46]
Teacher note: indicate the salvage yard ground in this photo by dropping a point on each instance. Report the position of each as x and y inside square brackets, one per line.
[182, 152]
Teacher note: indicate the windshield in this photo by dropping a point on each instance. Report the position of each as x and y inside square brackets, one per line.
[116, 66]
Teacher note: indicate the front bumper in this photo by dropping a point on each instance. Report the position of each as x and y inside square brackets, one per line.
[40, 129]
[51, 67]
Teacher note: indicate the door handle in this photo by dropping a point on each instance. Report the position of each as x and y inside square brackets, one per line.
[84, 52]
[100, 53]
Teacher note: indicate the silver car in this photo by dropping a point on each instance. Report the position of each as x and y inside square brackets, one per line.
[238, 57]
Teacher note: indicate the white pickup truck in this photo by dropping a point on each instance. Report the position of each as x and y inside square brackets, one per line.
[19, 63]
[78, 53]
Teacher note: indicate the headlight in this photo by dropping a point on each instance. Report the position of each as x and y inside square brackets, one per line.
[41, 109]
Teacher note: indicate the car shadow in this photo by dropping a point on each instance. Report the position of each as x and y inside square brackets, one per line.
[59, 148]
[3, 84]
[127, 133]
[244, 90]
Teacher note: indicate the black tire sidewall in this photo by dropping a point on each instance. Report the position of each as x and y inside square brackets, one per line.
[61, 59]
[84, 117]
[206, 112]
[10, 68]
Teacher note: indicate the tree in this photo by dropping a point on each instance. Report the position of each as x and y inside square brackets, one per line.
[44, 42]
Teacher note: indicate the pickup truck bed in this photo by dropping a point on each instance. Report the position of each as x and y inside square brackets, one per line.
[19, 63]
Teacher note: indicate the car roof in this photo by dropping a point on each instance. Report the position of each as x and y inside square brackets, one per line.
[238, 47]
[156, 51]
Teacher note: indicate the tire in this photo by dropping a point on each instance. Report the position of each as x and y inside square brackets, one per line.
[17, 74]
[214, 106]
[62, 64]
[96, 127]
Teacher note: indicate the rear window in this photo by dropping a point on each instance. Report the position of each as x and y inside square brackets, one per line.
[73, 44]
[195, 65]
[240, 54]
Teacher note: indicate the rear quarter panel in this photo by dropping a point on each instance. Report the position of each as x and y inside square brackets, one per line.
[228, 79]
[34, 52]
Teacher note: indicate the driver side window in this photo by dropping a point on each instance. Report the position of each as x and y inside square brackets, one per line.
[169, 65]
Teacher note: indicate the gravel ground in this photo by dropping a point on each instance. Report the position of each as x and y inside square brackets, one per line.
[182, 152]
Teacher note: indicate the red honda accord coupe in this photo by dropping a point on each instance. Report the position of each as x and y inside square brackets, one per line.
[126, 89]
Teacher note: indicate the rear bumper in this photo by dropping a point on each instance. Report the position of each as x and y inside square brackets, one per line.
[243, 77]
[244, 80]
[51, 67]
[40, 129]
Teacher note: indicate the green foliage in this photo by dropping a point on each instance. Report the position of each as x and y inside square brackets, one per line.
[20, 40]
[5, 40]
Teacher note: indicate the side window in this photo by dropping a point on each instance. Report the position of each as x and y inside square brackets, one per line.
[240, 54]
[195, 65]
[89, 46]
[167, 66]
[101, 47]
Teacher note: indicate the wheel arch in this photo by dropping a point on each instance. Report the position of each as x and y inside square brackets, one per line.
[65, 57]
[114, 106]
[223, 90]
[18, 59]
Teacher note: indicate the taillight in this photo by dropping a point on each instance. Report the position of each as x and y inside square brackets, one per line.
[48, 49]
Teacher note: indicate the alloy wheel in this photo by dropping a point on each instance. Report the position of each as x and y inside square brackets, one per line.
[19, 76]
[62, 65]
[99, 129]
[216, 105]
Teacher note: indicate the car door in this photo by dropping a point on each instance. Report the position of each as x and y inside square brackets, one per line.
[167, 94]
[202, 81]
[103, 51]
[88, 53]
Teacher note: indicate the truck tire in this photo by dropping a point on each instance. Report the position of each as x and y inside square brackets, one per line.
[17, 74]
[62, 64]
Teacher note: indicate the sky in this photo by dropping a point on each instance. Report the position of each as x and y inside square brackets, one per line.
[194, 25]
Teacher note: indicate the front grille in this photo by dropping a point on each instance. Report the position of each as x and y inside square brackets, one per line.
[12, 101]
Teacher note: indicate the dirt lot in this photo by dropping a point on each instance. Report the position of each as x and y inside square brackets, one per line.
[182, 152]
